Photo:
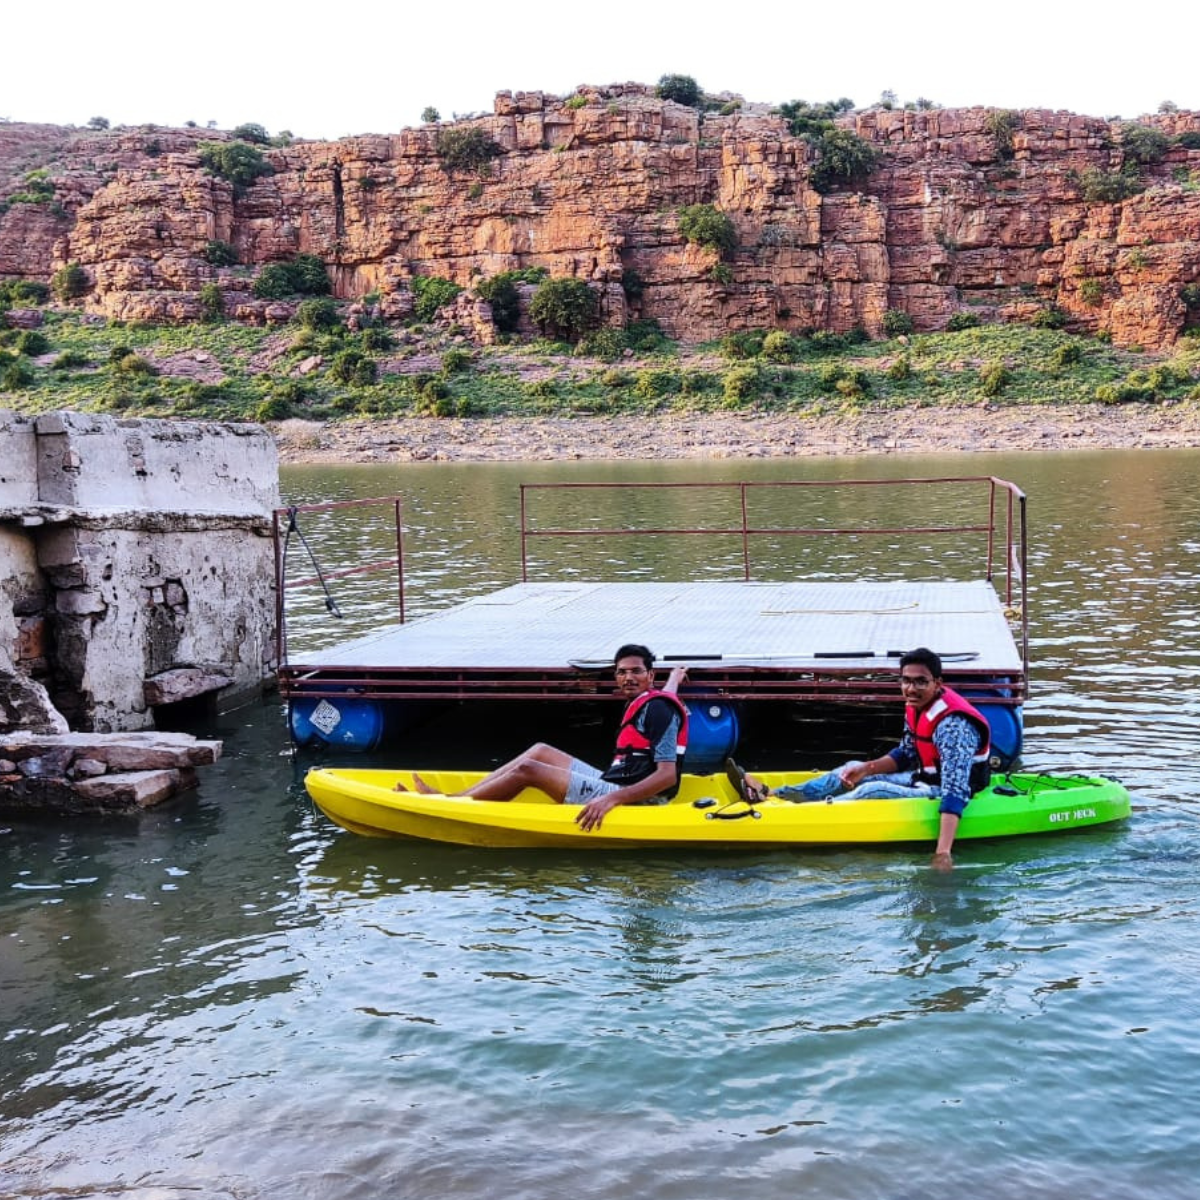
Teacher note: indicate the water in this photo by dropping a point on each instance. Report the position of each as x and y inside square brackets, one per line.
[230, 997]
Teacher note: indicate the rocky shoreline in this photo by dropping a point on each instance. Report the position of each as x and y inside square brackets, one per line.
[985, 428]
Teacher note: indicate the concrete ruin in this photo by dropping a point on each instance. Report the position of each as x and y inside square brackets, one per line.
[137, 572]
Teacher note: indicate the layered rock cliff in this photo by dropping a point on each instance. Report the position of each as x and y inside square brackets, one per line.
[962, 212]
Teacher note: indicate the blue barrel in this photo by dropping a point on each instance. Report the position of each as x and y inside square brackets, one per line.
[342, 721]
[712, 737]
[1007, 724]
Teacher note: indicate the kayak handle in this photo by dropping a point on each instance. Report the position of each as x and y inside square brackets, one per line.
[736, 816]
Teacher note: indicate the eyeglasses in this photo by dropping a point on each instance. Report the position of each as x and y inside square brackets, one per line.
[915, 681]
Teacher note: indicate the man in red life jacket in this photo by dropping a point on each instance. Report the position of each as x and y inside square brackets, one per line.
[646, 762]
[943, 753]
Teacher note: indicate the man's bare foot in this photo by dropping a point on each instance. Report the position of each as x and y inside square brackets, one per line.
[419, 785]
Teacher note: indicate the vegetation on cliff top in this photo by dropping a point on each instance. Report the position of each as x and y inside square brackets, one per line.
[319, 369]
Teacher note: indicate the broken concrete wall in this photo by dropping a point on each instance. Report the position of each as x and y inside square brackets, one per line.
[139, 559]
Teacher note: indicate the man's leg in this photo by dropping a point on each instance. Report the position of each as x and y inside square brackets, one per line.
[541, 766]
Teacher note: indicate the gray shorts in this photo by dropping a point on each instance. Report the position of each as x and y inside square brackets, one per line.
[584, 783]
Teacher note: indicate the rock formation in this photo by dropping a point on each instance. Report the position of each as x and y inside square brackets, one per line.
[968, 209]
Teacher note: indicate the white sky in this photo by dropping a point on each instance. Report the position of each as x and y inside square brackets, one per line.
[330, 69]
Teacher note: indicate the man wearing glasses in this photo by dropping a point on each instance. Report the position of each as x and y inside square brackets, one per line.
[943, 753]
[646, 761]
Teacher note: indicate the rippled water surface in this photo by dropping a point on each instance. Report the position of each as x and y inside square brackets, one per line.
[230, 997]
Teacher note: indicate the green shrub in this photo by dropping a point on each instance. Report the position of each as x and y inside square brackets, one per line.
[607, 344]
[220, 254]
[632, 284]
[70, 360]
[117, 353]
[304, 275]
[31, 343]
[239, 162]
[352, 367]
[21, 293]
[431, 293]
[252, 132]
[376, 337]
[500, 291]
[1107, 187]
[134, 364]
[842, 157]
[1190, 295]
[38, 188]
[1002, 123]
[993, 378]
[900, 370]
[743, 344]
[721, 274]
[1143, 143]
[812, 120]
[1068, 354]
[1049, 317]
[576, 101]
[97, 123]
[1091, 292]
[960, 321]
[430, 115]
[740, 386]
[683, 89]
[897, 323]
[645, 337]
[706, 225]
[778, 346]
[456, 359]
[15, 374]
[612, 378]
[466, 148]
[318, 313]
[70, 282]
[1189, 140]
[565, 308]
[212, 301]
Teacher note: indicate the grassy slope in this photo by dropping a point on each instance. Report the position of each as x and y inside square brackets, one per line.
[252, 373]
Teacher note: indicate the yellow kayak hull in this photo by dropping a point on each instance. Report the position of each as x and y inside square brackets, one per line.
[705, 813]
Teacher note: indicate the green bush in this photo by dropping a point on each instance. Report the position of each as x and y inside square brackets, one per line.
[645, 336]
[220, 254]
[430, 115]
[740, 386]
[1107, 187]
[466, 148]
[430, 293]
[70, 360]
[960, 321]
[38, 188]
[318, 313]
[352, 367]
[900, 370]
[632, 284]
[683, 89]
[304, 275]
[1189, 140]
[500, 291]
[32, 342]
[1143, 143]
[21, 293]
[1190, 295]
[721, 274]
[565, 308]
[252, 132]
[607, 344]
[842, 157]
[778, 346]
[70, 282]
[15, 374]
[897, 323]
[993, 377]
[376, 337]
[456, 359]
[706, 225]
[239, 162]
[212, 301]
[1091, 292]
[1002, 123]
[133, 364]
[117, 353]
[1049, 317]
[812, 120]
[743, 344]
[1068, 354]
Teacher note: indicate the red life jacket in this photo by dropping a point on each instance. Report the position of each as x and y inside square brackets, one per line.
[632, 759]
[921, 725]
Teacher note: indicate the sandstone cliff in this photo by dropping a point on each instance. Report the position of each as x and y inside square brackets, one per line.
[956, 216]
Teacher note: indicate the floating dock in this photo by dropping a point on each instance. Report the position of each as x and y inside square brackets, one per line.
[746, 641]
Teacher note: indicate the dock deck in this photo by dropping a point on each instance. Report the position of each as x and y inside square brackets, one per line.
[742, 639]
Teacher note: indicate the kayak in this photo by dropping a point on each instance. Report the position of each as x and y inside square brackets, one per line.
[706, 812]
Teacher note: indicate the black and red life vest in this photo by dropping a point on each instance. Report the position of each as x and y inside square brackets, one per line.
[921, 725]
[633, 758]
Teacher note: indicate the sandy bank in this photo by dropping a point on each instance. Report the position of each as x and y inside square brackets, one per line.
[734, 435]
